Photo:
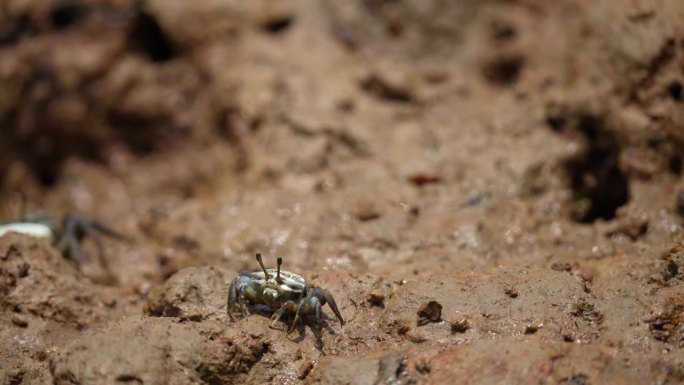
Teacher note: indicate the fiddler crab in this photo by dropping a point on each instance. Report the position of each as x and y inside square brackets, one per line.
[281, 292]
[74, 228]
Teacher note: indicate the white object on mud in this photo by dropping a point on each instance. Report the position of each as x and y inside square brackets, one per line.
[37, 230]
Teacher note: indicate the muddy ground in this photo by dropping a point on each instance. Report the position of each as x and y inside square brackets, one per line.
[492, 191]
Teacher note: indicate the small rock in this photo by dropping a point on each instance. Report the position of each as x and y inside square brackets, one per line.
[564, 265]
[403, 329]
[144, 288]
[511, 292]
[193, 294]
[424, 178]
[429, 312]
[587, 273]
[367, 211]
[416, 336]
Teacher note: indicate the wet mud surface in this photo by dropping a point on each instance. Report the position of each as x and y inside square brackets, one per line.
[491, 191]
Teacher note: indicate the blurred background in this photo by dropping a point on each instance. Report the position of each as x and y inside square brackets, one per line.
[395, 138]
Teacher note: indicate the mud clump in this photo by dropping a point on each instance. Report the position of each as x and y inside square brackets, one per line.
[39, 283]
[155, 351]
[44, 299]
[429, 312]
[194, 293]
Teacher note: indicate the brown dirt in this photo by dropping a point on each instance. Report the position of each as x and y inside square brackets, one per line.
[491, 190]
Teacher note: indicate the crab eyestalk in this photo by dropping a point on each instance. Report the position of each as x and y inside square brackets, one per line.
[261, 263]
[280, 262]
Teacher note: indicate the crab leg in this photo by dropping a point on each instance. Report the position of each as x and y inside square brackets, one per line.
[287, 306]
[299, 310]
[331, 302]
[232, 297]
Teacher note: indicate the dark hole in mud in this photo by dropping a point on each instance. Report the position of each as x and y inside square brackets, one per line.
[11, 32]
[191, 318]
[531, 329]
[395, 28]
[556, 123]
[655, 140]
[383, 89]
[48, 176]
[129, 378]
[65, 378]
[675, 165]
[675, 90]
[575, 379]
[671, 270]
[16, 378]
[460, 326]
[229, 122]
[149, 38]
[502, 31]
[46, 149]
[599, 186]
[143, 134]
[66, 15]
[680, 203]
[376, 298]
[504, 70]
[278, 24]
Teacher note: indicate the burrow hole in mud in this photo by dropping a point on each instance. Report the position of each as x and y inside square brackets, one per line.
[599, 186]
[502, 31]
[66, 15]
[13, 30]
[45, 151]
[675, 165]
[675, 90]
[277, 25]
[503, 70]
[149, 38]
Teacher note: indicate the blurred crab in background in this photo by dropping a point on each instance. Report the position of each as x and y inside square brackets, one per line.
[68, 236]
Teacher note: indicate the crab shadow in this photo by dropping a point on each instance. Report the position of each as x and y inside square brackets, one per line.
[316, 329]
[285, 323]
